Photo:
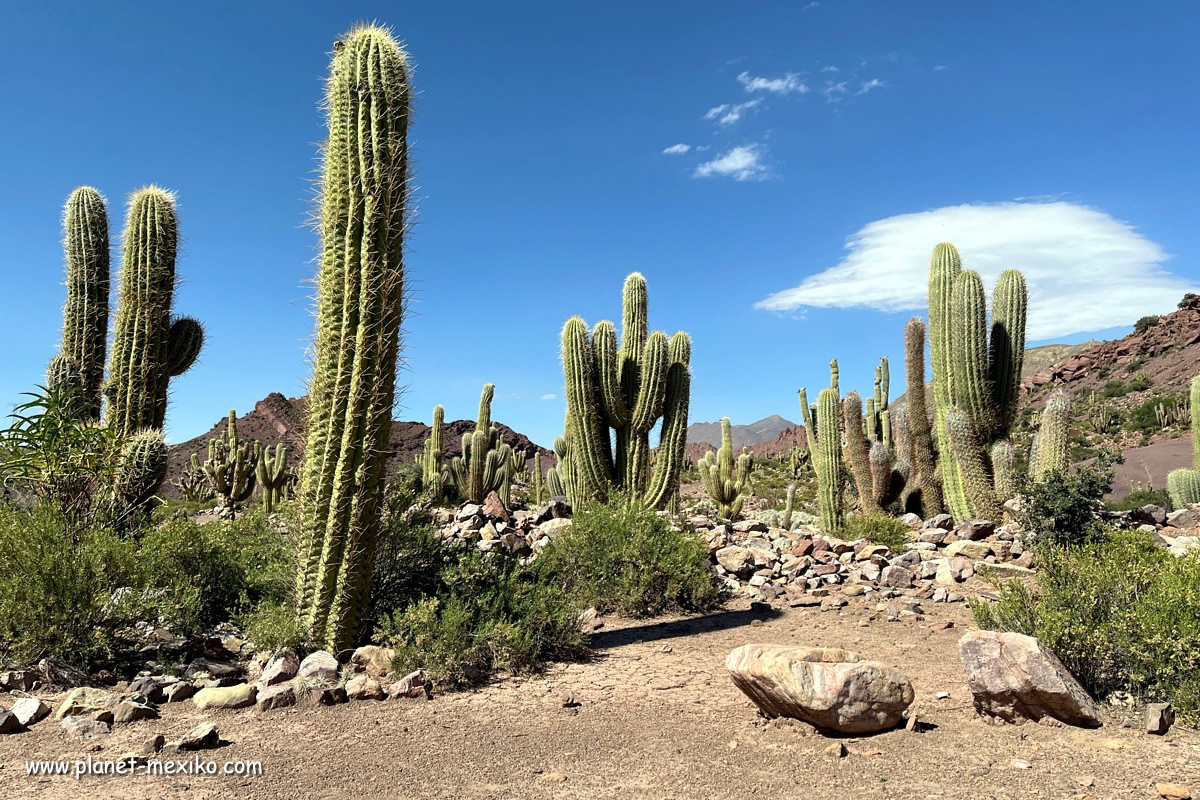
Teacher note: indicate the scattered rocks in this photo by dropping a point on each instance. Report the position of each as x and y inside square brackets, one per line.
[1012, 677]
[278, 696]
[830, 688]
[17, 680]
[129, 711]
[84, 700]
[204, 736]
[412, 686]
[86, 727]
[175, 692]
[327, 695]
[241, 695]
[56, 673]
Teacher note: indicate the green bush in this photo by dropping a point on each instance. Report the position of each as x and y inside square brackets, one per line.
[274, 624]
[1146, 323]
[1141, 382]
[1061, 509]
[879, 528]
[1141, 496]
[1121, 614]
[622, 557]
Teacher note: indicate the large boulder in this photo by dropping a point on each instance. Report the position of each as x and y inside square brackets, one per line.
[1012, 677]
[827, 687]
[319, 668]
[241, 695]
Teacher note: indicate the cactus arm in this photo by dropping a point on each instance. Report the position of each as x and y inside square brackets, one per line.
[1006, 352]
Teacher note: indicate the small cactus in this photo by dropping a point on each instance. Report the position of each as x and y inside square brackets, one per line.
[273, 476]
[432, 470]
[193, 485]
[486, 462]
[230, 466]
[826, 447]
[1183, 485]
[1053, 451]
[726, 481]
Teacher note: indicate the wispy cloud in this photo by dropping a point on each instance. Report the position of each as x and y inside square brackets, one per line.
[830, 68]
[1087, 271]
[550, 396]
[939, 67]
[874, 83]
[729, 113]
[834, 91]
[744, 163]
[789, 83]
[677, 149]
[811, 6]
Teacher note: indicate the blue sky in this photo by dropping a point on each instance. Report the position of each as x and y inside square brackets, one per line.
[778, 171]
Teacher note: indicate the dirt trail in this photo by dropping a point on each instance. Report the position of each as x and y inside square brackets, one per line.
[657, 717]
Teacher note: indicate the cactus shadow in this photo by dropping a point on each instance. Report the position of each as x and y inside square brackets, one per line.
[671, 629]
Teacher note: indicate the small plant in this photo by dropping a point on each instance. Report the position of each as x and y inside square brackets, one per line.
[1188, 300]
[1141, 382]
[1060, 509]
[1146, 323]
[1184, 484]
[1140, 496]
[879, 528]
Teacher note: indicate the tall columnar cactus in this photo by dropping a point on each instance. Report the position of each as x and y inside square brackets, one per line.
[563, 479]
[85, 316]
[1054, 441]
[231, 465]
[486, 462]
[432, 477]
[360, 302]
[627, 389]
[857, 453]
[273, 476]
[539, 481]
[1004, 469]
[826, 447]
[974, 374]
[148, 347]
[1183, 485]
[727, 481]
[924, 457]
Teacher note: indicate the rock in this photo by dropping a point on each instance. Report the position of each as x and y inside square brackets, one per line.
[1184, 518]
[1159, 718]
[327, 695]
[830, 688]
[129, 711]
[933, 535]
[750, 526]
[178, 691]
[17, 680]
[1173, 791]
[84, 700]
[1014, 678]
[154, 744]
[975, 529]
[897, 577]
[319, 667]
[555, 527]
[467, 511]
[85, 727]
[29, 710]
[374, 660]
[836, 750]
[913, 521]
[241, 695]
[148, 686]
[1006, 570]
[281, 668]
[493, 507]
[202, 667]
[204, 736]
[944, 521]
[968, 548]
[278, 696]
[735, 559]
[56, 673]
[362, 687]
[9, 723]
[1149, 515]
[413, 685]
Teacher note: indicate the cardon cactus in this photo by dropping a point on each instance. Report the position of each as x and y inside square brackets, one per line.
[628, 390]
[432, 477]
[273, 476]
[857, 451]
[193, 485]
[1183, 485]
[85, 316]
[231, 465]
[141, 468]
[148, 347]
[1054, 444]
[920, 433]
[486, 462]
[825, 444]
[974, 373]
[726, 481]
[360, 302]
[539, 484]
[563, 479]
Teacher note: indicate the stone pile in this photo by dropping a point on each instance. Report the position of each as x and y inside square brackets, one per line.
[1176, 531]
[489, 526]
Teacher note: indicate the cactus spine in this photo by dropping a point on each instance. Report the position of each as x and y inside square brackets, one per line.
[486, 462]
[1053, 450]
[359, 309]
[85, 316]
[627, 389]
[1183, 485]
[273, 476]
[432, 477]
[727, 482]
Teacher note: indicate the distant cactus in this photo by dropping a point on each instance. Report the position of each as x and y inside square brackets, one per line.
[1183, 485]
[360, 303]
[726, 481]
[539, 485]
[148, 348]
[517, 463]
[924, 456]
[193, 486]
[85, 317]
[1054, 450]
[563, 479]
[432, 470]
[486, 462]
[273, 476]
[231, 465]
[826, 447]
[626, 389]
[789, 507]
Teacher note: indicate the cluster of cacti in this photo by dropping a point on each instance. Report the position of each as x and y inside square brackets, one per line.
[878, 480]
[877, 420]
[1050, 450]
[193, 485]
[231, 466]
[273, 476]
[1169, 416]
[360, 301]
[798, 461]
[976, 377]
[823, 430]
[486, 461]
[914, 431]
[727, 481]
[433, 478]
[563, 480]
[628, 390]
[1183, 485]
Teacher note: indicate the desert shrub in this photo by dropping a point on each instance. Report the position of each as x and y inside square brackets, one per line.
[879, 528]
[1061, 509]
[1141, 382]
[1146, 323]
[274, 624]
[489, 614]
[409, 562]
[1138, 497]
[1115, 389]
[622, 557]
[1121, 614]
[1187, 300]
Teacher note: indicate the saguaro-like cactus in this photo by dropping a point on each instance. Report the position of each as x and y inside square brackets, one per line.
[973, 373]
[360, 302]
[486, 462]
[273, 476]
[432, 477]
[920, 433]
[826, 447]
[726, 481]
[539, 484]
[1183, 485]
[231, 465]
[148, 348]
[1054, 446]
[85, 316]
[629, 390]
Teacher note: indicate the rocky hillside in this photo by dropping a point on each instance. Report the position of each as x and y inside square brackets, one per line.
[278, 419]
[765, 430]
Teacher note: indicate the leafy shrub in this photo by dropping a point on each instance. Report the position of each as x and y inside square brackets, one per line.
[274, 624]
[622, 557]
[1187, 300]
[1146, 323]
[879, 528]
[1138, 497]
[490, 614]
[409, 561]
[1141, 382]
[1060, 508]
[1121, 614]
[1115, 389]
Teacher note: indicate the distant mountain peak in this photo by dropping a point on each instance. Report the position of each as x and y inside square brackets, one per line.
[764, 430]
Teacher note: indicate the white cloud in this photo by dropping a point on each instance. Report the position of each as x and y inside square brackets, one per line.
[834, 91]
[1086, 270]
[811, 6]
[939, 67]
[741, 163]
[729, 113]
[550, 396]
[874, 83]
[677, 149]
[830, 68]
[789, 83]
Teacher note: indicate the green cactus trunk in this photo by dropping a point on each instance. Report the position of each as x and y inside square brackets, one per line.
[726, 481]
[431, 456]
[272, 475]
[85, 317]
[857, 453]
[924, 457]
[827, 442]
[360, 302]
[1054, 437]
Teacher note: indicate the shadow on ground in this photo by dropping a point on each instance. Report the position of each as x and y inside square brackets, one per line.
[720, 621]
